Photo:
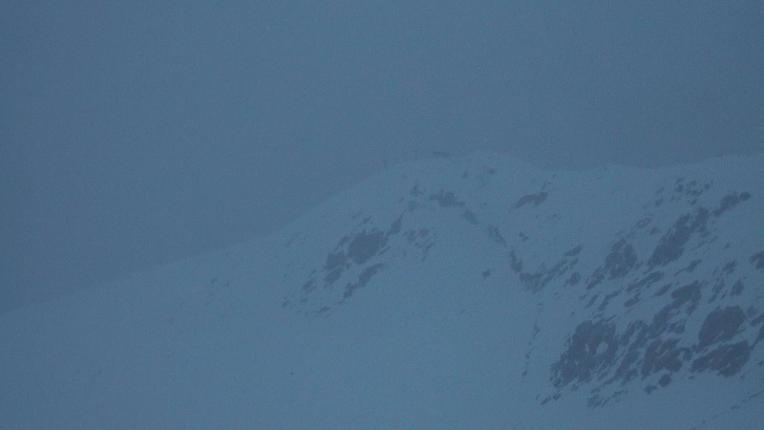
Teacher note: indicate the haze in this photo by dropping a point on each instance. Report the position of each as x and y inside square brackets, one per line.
[134, 134]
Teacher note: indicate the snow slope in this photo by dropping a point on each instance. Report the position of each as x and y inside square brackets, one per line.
[470, 293]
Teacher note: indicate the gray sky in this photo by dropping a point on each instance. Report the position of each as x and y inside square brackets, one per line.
[136, 133]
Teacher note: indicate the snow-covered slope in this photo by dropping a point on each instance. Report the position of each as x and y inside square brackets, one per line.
[473, 293]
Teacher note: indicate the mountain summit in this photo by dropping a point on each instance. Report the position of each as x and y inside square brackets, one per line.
[457, 293]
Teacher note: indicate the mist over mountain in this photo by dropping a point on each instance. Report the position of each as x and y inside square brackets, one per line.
[136, 134]
[475, 292]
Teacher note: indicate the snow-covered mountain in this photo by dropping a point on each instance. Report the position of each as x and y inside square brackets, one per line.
[471, 293]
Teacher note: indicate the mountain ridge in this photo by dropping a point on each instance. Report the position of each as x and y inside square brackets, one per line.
[459, 293]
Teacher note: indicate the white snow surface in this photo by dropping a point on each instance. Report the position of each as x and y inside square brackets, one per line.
[461, 293]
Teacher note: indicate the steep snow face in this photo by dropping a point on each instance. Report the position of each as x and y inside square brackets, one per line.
[454, 293]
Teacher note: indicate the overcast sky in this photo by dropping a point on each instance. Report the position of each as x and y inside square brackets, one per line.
[137, 133]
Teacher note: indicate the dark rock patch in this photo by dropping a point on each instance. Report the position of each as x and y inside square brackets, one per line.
[729, 267]
[591, 349]
[690, 267]
[688, 190]
[596, 351]
[574, 279]
[635, 339]
[685, 300]
[618, 263]
[363, 280]
[665, 380]
[332, 276]
[671, 245]
[531, 199]
[758, 260]
[537, 280]
[645, 282]
[447, 199]
[608, 297]
[395, 227]
[717, 289]
[730, 201]
[657, 350]
[470, 217]
[663, 290]
[631, 302]
[555, 396]
[663, 355]
[495, 235]
[357, 249]
[413, 236]
[737, 289]
[336, 263]
[758, 320]
[592, 301]
[334, 260]
[309, 286]
[720, 325]
[687, 294]
[515, 263]
[726, 360]
[621, 260]
[365, 245]
[421, 239]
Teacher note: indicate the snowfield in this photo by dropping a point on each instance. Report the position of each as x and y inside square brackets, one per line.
[464, 293]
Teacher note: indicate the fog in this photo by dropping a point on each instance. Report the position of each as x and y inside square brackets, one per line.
[134, 134]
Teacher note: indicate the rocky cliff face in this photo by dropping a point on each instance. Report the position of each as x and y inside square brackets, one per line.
[458, 293]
